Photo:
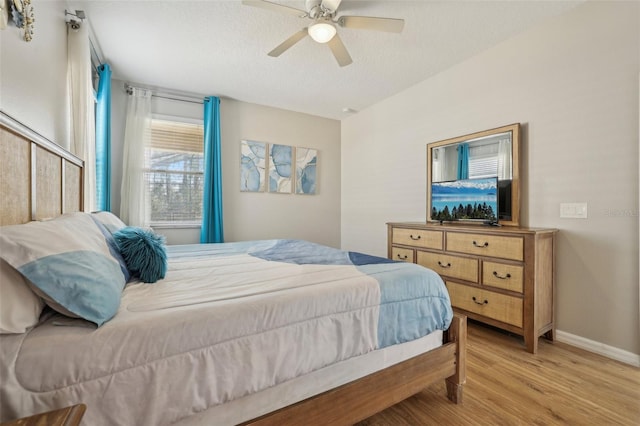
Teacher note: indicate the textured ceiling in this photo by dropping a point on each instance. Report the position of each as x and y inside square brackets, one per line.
[220, 47]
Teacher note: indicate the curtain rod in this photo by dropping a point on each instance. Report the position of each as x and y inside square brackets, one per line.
[182, 98]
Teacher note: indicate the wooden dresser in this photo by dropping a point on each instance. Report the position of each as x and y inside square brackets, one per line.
[502, 276]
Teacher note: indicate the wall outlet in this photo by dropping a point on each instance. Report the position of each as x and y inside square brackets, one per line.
[573, 210]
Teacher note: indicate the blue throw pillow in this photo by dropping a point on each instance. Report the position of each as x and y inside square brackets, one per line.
[144, 253]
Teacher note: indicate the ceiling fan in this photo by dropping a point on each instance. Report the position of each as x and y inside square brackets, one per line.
[323, 29]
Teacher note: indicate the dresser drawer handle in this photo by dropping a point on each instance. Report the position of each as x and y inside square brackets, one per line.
[405, 257]
[414, 238]
[486, 302]
[502, 277]
[485, 244]
[442, 265]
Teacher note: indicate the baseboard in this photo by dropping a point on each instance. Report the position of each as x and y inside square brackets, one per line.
[598, 348]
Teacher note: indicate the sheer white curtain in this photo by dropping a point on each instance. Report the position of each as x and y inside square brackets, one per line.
[438, 164]
[81, 101]
[504, 159]
[134, 202]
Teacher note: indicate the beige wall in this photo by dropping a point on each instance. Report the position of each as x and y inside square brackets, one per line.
[33, 75]
[573, 83]
[251, 216]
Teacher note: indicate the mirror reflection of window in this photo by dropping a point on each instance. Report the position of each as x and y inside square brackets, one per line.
[483, 160]
[437, 165]
[488, 157]
[491, 157]
[505, 166]
[445, 168]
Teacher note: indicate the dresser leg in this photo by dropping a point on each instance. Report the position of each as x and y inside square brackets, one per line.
[551, 335]
[531, 342]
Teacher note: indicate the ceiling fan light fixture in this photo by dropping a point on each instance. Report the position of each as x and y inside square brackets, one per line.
[322, 32]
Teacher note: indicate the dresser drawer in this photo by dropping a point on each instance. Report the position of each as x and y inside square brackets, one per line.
[451, 266]
[417, 238]
[504, 247]
[507, 309]
[500, 275]
[402, 254]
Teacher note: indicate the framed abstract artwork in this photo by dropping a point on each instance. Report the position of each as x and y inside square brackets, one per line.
[280, 165]
[306, 161]
[253, 161]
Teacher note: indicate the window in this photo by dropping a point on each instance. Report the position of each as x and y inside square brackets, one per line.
[483, 161]
[174, 172]
[491, 157]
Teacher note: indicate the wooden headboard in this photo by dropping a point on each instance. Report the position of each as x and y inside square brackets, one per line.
[38, 179]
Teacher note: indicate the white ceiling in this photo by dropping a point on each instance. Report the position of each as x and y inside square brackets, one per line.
[219, 47]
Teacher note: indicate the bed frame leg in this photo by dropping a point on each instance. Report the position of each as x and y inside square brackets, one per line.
[458, 333]
[454, 392]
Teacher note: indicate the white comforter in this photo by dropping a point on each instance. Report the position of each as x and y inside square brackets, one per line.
[223, 324]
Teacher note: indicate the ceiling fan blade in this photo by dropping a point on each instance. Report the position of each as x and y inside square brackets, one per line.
[276, 7]
[339, 51]
[331, 5]
[282, 47]
[390, 25]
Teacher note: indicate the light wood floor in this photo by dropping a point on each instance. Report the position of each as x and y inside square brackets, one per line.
[560, 385]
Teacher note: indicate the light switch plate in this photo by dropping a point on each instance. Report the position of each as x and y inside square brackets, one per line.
[573, 210]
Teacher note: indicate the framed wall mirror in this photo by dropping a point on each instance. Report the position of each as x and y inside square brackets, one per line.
[475, 177]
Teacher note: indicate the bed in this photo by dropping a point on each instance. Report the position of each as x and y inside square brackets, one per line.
[256, 332]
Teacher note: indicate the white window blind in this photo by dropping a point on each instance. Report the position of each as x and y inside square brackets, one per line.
[491, 156]
[175, 172]
[483, 161]
[480, 167]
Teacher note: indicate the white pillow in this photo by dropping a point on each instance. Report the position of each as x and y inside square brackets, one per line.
[70, 262]
[20, 308]
[110, 221]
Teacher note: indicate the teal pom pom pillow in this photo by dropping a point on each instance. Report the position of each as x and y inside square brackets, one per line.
[144, 253]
